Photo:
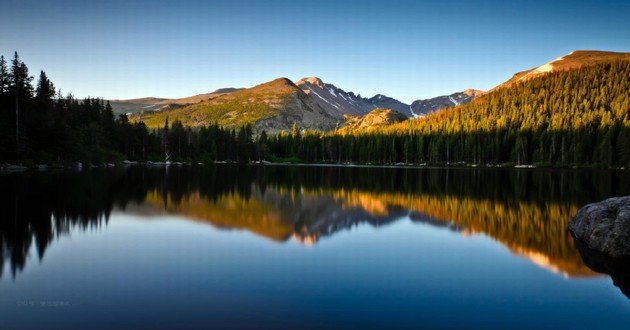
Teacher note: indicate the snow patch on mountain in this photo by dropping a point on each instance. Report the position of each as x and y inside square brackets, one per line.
[547, 67]
[339, 103]
[415, 115]
[321, 97]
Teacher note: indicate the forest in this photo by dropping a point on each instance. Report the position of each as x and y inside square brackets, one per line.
[568, 118]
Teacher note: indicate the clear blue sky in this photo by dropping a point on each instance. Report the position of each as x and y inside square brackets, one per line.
[404, 49]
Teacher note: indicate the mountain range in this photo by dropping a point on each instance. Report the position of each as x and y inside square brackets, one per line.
[314, 104]
[334, 100]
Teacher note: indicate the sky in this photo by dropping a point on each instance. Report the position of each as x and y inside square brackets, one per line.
[408, 50]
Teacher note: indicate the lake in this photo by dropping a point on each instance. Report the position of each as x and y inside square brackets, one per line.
[305, 247]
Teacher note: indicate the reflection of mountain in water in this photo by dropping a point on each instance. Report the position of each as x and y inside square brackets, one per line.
[524, 210]
[532, 231]
[276, 214]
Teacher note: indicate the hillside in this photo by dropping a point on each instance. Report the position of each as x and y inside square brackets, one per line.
[576, 116]
[570, 61]
[579, 116]
[272, 106]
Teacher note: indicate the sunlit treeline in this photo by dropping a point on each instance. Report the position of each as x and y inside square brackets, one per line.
[577, 117]
[570, 117]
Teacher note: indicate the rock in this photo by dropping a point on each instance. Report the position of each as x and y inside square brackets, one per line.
[604, 226]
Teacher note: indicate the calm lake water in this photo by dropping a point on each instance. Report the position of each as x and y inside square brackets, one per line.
[305, 247]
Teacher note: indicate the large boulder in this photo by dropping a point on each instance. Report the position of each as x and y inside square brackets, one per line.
[604, 226]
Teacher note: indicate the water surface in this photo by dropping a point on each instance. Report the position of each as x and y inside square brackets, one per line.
[308, 247]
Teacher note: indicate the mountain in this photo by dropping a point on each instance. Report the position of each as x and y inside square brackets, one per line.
[373, 119]
[570, 61]
[335, 101]
[424, 107]
[276, 105]
[338, 102]
[272, 106]
[153, 103]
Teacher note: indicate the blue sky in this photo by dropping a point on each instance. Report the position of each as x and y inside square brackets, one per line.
[405, 49]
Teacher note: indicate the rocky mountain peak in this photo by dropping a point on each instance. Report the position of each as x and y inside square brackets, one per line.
[310, 80]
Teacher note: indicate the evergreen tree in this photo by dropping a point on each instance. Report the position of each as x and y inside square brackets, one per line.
[165, 142]
[4, 77]
[20, 90]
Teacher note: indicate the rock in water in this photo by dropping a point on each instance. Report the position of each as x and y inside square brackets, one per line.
[604, 226]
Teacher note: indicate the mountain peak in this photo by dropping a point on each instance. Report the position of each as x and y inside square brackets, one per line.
[379, 97]
[226, 90]
[276, 84]
[310, 80]
[282, 81]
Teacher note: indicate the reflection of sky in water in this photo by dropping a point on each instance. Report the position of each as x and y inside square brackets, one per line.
[166, 272]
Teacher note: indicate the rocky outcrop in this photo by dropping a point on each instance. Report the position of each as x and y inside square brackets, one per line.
[604, 226]
[373, 120]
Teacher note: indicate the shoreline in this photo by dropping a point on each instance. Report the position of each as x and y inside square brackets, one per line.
[77, 166]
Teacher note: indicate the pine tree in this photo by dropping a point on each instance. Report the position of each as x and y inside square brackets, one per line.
[623, 142]
[21, 90]
[164, 141]
[4, 77]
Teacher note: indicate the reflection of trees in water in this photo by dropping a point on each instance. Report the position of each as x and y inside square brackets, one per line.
[38, 207]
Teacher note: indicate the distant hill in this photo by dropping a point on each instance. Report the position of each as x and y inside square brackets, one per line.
[572, 60]
[154, 103]
[272, 106]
